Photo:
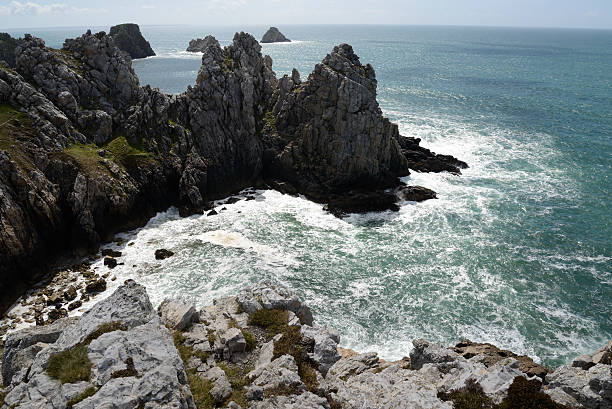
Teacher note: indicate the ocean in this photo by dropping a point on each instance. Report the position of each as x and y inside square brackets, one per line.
[516, 251]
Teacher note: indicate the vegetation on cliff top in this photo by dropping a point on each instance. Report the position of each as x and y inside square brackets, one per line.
[119, 150]
[16, 128]
[73, 364]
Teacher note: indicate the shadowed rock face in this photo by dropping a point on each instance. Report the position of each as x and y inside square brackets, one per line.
[7, 49]
[85, 151]
[128, 38]
[274, 36]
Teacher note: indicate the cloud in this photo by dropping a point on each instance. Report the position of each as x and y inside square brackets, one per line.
[148, 6]
[226, 4]
[23, 8]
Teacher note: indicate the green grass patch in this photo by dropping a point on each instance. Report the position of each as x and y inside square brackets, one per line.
[522, 394]
[2, 396]
[291, 343]
[119, 150]
[126, 154]
[251, 342]
[200, 389]
[16, 128]
[91, 391]
[274, 321]
[73, 365]
[237, 377]
[186, 351]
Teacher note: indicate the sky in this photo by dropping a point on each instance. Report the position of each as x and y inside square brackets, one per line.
[514, 13]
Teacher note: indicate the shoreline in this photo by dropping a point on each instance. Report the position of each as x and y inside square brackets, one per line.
[243, 336]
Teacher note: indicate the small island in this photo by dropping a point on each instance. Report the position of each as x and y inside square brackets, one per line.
[200, 44]
[128, 38]
[273, 35]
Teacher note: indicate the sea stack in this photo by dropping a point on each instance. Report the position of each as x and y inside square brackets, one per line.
[274, 36]
[128, 38]
[200, 44]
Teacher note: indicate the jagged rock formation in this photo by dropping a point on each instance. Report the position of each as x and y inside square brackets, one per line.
[128, 38]
[7, 49]
[201, 44]
[273, 35]
[260, 350]
[86, 152]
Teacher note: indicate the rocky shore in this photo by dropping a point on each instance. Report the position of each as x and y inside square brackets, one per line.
[261, 349]
[86, 152]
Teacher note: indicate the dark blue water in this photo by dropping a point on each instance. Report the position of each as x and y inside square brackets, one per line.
[516, 251]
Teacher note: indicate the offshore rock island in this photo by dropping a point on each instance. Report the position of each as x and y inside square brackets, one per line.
[86, 152]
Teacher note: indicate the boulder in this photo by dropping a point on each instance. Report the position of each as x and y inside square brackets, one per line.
[267, 295]
[128, 38]
[201, 44]
[602, 356]
[178, 314]
[163, 254]
[221, 389]
[110, 262]
[425, 352]
[354, 365]
[325, 353]
[415, 193]
[234, 340]
[96, 286]
[280, 373]
[273, 35]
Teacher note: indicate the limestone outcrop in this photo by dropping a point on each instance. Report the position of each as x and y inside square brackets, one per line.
[201, 44]
[86, 152]
[273, 35]
[129, 39]
[240, 352]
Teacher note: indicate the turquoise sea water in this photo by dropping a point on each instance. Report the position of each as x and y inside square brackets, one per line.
[516, 251]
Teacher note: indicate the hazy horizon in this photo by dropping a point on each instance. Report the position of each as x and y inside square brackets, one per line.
[589, 14]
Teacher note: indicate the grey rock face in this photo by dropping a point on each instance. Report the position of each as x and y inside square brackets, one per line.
[281, 372]
[273, 35]
[354, 365]
[201, 44]
[325, 346]
[157, 377]
[178, 314]
[591, 388]
[129, 39]
[21, 347]
[335, 128]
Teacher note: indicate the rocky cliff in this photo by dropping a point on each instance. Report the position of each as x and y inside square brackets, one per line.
[273, 35]
[85, 151]
[127, 37]
[8, 45]
[261, 350]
